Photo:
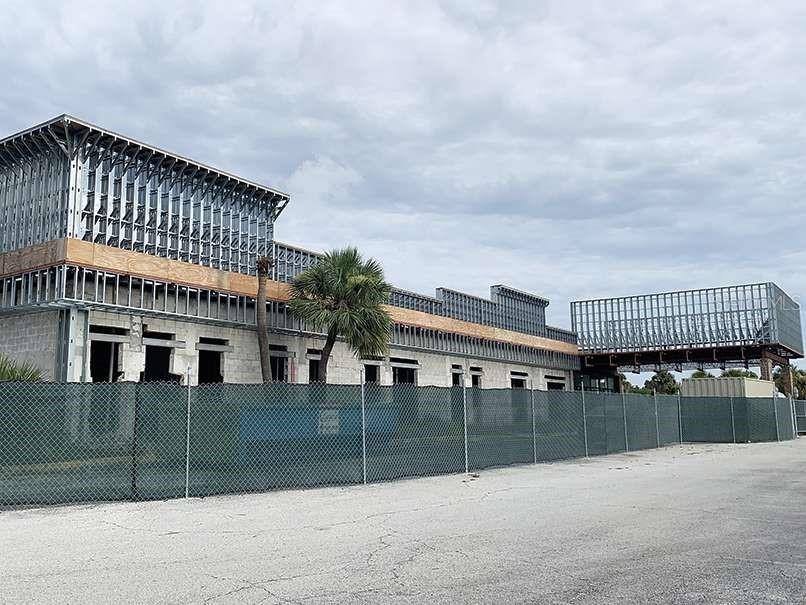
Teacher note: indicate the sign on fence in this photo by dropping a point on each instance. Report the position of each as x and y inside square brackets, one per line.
[328, 421]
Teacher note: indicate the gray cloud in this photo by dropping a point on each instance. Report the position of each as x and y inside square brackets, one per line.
[570, 149]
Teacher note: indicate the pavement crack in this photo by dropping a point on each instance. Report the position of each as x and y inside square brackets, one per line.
[247, 585]
[384, 545]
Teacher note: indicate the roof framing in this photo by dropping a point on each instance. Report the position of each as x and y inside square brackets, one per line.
[72, 137]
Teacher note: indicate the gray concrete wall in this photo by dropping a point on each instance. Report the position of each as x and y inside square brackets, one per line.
[241, 365]
[31, 337]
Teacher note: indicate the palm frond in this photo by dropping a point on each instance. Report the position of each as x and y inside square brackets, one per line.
[15, 371]
[344, 292]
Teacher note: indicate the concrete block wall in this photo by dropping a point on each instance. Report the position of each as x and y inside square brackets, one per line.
[32, 337]
[242, 365]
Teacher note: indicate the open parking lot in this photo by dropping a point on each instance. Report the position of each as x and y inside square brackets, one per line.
[685, 524]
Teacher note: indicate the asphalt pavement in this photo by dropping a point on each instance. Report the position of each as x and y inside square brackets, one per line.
[682, 524]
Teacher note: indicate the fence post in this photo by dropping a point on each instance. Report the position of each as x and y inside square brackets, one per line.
[464, 416]
[732, 420]
[657, 424]
[624, 413]
[363, 426]
[792, 412]
[792, 404]
[187, 438]
[136, 386]
[679, 417]
[534, 432]
[775, 411]
[584, 418]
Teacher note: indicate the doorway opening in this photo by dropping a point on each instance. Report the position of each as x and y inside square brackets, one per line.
[210, 367]
[104, 360]
[105, 352]
[158, 358]
[278, 360]
[211, 359]
[158, 365]
[371, 373]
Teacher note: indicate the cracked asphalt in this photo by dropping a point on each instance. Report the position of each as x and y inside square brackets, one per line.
[683, 524]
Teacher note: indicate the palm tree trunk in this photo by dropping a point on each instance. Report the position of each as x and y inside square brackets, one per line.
[263, 267]
[325, 354]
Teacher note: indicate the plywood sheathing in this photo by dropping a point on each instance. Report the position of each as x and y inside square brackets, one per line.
[33, 257]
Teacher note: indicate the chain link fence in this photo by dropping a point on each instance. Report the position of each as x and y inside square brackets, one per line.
[800, 416]
[81, 442]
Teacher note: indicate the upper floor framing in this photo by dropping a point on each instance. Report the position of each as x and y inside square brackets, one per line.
[69, 178]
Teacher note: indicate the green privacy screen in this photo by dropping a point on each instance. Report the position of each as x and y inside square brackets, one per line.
[800, 416]
[499, 427]
[412, 431]
[126, 441]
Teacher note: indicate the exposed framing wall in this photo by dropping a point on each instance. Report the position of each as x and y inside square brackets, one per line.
[70, 178]
[106, 258]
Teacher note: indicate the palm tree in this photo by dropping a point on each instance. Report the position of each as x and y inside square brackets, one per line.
[781, 376]
[264, 265]
[343, 296]
[11, 370]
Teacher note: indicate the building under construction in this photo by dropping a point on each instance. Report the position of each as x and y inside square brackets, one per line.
[121, 261]
[753, 324]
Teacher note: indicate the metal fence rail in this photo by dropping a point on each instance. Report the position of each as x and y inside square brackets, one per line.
[77, 442]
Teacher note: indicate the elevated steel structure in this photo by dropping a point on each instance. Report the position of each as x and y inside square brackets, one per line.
[710, 327]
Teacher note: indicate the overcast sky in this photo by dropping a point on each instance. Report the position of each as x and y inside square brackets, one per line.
[570, 149]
